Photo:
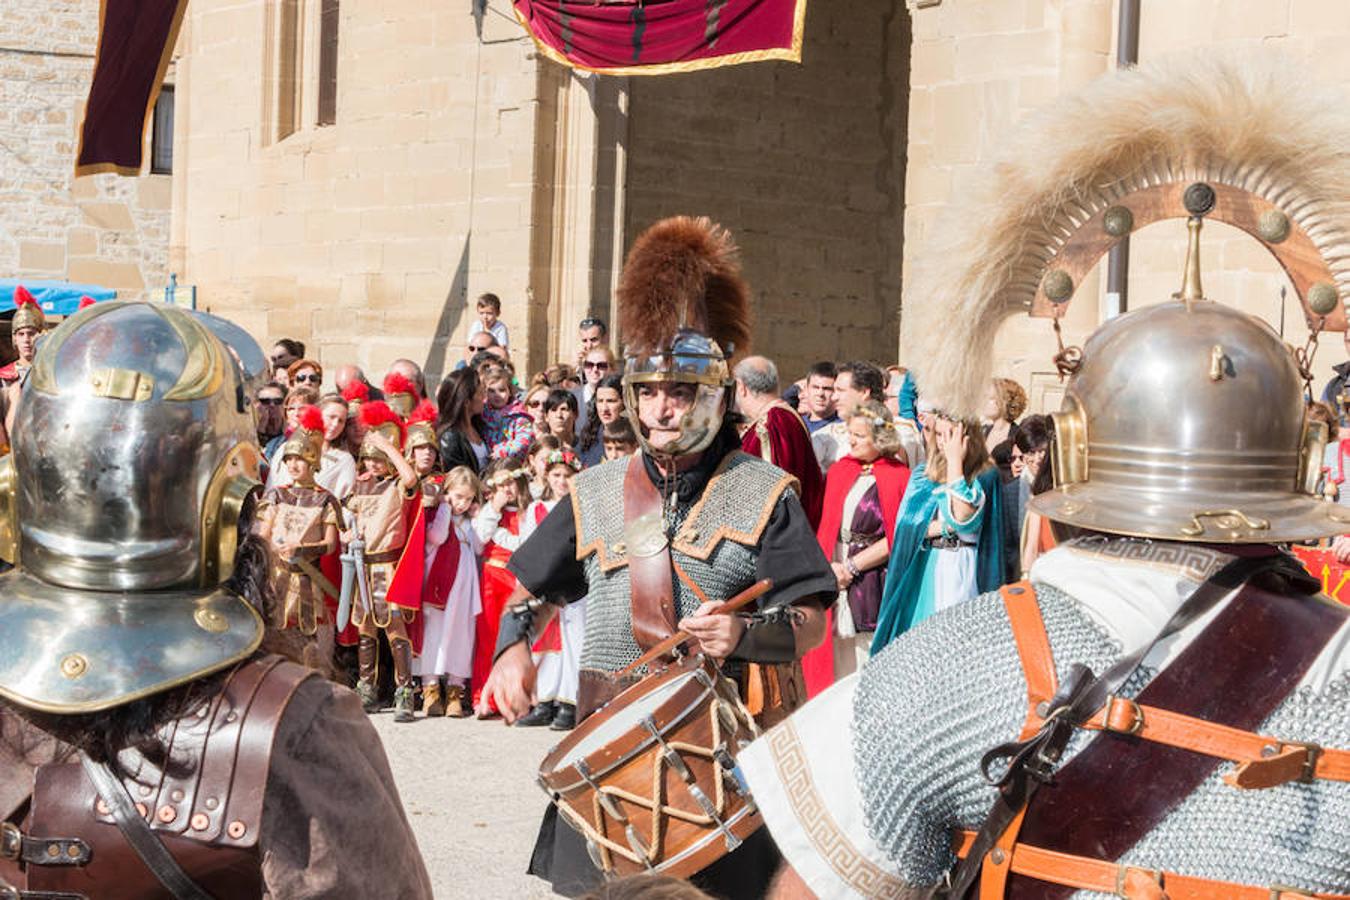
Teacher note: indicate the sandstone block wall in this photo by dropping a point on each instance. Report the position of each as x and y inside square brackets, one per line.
[979, 66]
[806, 165]
[368, 239]
[102, 229]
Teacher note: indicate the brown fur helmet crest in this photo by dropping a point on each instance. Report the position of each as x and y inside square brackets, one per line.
[684, 272]
[684, 312]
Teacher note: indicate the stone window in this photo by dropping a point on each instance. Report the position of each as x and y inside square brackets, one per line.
[161, 133]
[302, 63]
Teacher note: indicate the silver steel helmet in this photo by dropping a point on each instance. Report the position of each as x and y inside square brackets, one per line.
[134, 453]
[1186, 421]
[694, 359]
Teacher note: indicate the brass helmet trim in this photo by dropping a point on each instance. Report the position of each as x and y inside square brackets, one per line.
[234, 480]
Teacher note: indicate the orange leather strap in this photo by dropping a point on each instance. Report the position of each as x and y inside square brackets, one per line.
[1264, 761]
[1131, 882]
[1033, 646]
[1038, 667]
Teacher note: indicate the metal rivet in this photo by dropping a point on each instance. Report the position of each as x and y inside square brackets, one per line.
[146, 790]
[996, 856]
[236, 829]
[1015, 591]
[1043, 708]
[1273, 226]
[233, 716]
[101, 807]
[73, 851]
[1058, 286]
[140, 808]
[1270, 750]
[211, 803]
[1118, 221]
[53, 850]
[167, 814]
[73, 665]
[211, 620]
[176, 796]
[199, 822]
[1322, 298]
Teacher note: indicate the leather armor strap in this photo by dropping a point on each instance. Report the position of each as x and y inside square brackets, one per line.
[9, 892]
[1264, 761]
[650, 578]
[1084, 874]
[1236, 671]
[142, 839]
[40, 851]
[1032, 761]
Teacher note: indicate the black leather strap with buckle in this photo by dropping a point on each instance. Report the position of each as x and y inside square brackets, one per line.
[41, 851]
[136, 830]
[9, 892]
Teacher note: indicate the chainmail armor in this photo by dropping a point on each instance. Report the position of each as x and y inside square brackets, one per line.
[739, 502]
[917, 754]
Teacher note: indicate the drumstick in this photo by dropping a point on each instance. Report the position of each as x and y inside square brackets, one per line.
[754, 592]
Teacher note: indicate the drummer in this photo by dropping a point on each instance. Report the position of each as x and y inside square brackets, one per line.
[655, 543]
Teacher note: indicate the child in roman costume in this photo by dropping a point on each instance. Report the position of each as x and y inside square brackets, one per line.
[499, 525]
[387, 509]
[558, 650]
[300, 519]
[451, 600]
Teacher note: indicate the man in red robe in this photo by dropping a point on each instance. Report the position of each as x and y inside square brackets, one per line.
[776, 433]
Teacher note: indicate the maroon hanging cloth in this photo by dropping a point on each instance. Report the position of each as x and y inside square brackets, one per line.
[656, 37]
[135, 41]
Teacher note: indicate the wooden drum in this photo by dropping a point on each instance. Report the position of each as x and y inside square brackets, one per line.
[650, 780]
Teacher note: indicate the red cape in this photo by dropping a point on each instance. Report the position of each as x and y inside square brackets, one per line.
[790, 450]
[892, 479]
[498, 583]
[9, 372]
[405, 590]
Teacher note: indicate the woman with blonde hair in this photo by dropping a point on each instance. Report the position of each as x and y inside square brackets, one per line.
[862, 500]
[1003, 406]
[948, 544]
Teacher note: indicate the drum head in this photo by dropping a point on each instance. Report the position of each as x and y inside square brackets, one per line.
[624, 719]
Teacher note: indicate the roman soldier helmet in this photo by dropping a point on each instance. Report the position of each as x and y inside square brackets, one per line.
[355, 393]
[1184, 420]
[400, 393]
[683, 316]
[134, 456]
[306, 441]
[421, 429]
[27, 312]
[377, 417]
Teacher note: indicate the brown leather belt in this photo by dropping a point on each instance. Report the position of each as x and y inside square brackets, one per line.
[385, 556]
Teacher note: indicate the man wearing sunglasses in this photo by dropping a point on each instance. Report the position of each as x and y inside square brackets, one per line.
[596, 364]
[268, 413]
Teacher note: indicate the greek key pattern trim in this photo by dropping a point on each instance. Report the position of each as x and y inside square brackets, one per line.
[1192, 561]
[834, 847]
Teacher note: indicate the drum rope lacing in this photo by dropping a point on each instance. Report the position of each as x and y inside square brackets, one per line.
[603, 803]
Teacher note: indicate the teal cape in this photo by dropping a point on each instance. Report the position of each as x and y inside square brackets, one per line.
[904, 602]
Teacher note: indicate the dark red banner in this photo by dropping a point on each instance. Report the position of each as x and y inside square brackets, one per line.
[1322, 564]
[135, 43]
[656, 37]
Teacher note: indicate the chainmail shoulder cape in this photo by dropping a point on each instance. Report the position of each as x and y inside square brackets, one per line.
[716, 536]
[930, 705]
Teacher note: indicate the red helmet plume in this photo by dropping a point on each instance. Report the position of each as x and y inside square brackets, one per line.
[356, 391]
[23, 297]
[398, 383]
[311, 419]
[425, 412]
[86, 301]
[377, 413]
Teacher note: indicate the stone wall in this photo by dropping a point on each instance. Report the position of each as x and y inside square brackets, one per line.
[806, 165]
[103, 229]
[979, 66]
[368, 239]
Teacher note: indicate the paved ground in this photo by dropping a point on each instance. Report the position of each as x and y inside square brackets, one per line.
[469, 789]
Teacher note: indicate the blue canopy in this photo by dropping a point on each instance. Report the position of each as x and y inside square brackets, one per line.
[59, 298]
